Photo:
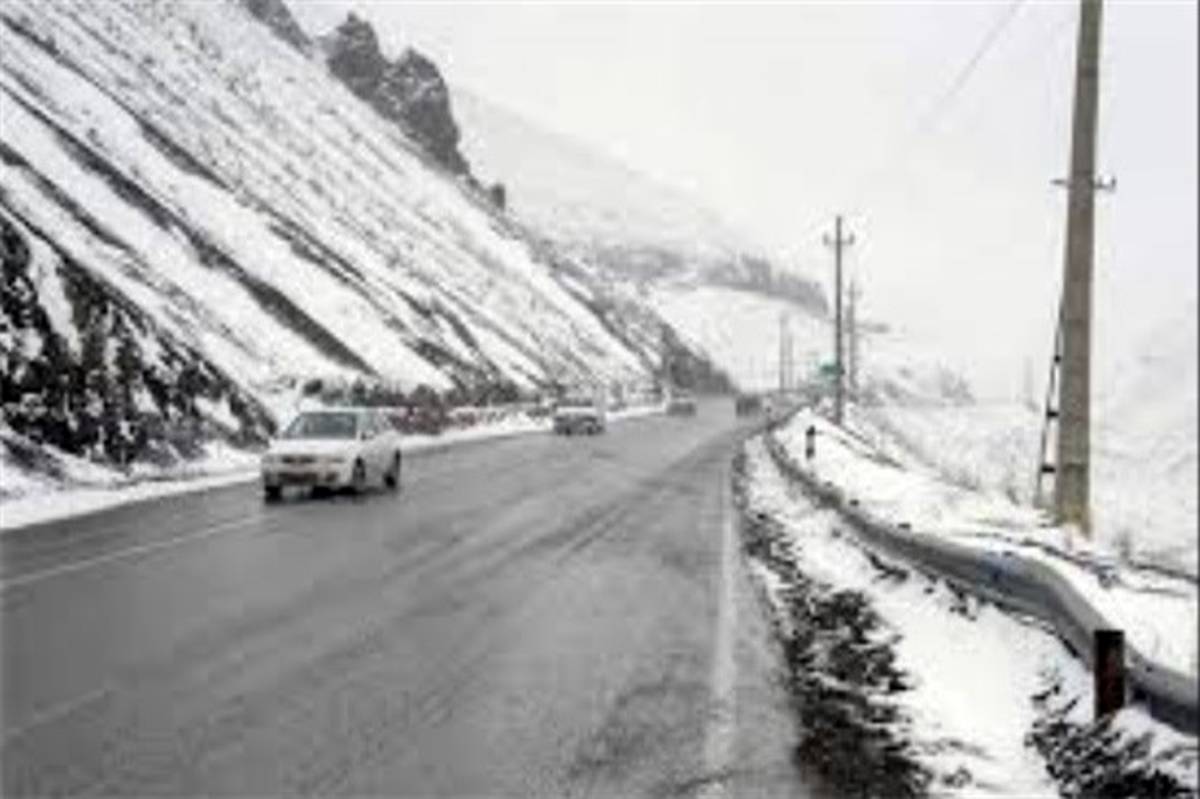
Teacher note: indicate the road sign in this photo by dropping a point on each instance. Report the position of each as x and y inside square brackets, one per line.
[828, 370]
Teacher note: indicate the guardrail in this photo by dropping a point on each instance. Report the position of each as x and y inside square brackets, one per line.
[1008, 579]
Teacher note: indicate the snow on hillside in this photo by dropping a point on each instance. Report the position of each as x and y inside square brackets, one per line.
[715, 288]
[1144, 445]
[618, 224]
[631, 237]
[1158, 612]
[741, 330]
[189, 206]
[573, 193]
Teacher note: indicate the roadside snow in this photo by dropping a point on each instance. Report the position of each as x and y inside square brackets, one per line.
[973, 709]
[1157, 612]
[30, 496]
[972, 669]
[76, 486]
[1144, 477]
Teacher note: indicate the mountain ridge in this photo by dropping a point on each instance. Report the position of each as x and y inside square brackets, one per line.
[247, 215]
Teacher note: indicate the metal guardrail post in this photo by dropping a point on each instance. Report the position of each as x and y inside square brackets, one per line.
[1108, 670]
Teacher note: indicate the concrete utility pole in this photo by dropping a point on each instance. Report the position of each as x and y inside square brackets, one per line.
[1072, 484]
[664, 341]
[785, 353]
[1027, 398]
[852, 332]
[790, 366]
[782, 336]
[838, 243]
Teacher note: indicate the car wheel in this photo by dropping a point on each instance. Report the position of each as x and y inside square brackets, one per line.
[272, 493]
[391, 477]
[358, 478]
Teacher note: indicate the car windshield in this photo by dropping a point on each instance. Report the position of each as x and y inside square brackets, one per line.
[323, 425]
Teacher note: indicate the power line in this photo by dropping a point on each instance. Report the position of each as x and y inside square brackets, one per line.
[942, 103]
[937, 108]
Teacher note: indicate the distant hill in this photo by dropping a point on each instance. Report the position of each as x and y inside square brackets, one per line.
[622, 223]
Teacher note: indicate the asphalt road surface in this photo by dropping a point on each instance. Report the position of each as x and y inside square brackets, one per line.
[535, 615]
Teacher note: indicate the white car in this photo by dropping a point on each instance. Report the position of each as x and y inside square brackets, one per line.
[333, 449]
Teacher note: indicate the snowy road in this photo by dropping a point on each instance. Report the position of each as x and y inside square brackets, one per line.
[531, 616]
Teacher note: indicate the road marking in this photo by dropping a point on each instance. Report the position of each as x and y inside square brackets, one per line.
[122, 554]
[718, 743]
[54, 713]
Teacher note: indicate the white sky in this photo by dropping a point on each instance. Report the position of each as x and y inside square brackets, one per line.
[780, 115]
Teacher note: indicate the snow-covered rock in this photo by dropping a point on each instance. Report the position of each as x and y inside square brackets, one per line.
[409, 91]
[278, 17]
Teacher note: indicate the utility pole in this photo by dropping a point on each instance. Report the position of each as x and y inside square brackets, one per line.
[789, 367]
[785, 346]
[1027, 398]
[838, 243]
[852, 332]
[1073, 452]
[664, 340]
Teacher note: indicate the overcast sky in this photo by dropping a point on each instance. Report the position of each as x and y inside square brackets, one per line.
[781, 115]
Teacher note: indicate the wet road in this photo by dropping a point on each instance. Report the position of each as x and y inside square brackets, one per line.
[536, 615]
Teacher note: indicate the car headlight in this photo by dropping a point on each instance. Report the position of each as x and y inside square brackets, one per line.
[334, 460]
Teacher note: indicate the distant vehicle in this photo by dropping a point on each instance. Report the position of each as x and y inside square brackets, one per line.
[748, 404]
[333, 449]
[681, 404]
[580, 414]
[419, 420]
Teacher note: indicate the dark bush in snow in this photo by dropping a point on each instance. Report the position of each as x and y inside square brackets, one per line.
[498, 195]
[120, 391]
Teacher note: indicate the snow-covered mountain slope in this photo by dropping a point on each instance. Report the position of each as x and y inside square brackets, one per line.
[191, 207]
[625, 235]
[575, 194]
[618, 221]
[741, 330]
[1144, 445]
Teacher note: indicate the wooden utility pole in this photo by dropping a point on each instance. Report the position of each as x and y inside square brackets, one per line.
[1073, 453]
[838, 242]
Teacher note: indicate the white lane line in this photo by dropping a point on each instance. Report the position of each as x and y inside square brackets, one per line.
[719, 737]
[122, 554]
[54, 713]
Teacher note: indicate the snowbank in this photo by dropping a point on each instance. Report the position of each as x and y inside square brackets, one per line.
[1144, 476]
[1157, 612]
[969, 698]
[63, 486]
